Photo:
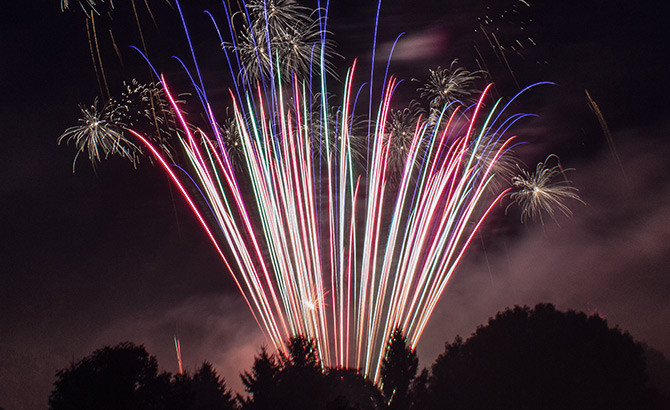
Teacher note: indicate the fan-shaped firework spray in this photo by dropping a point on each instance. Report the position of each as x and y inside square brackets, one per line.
[319, 244]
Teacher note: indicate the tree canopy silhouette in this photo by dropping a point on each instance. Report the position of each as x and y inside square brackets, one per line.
[523, 358]
[204, 390]
[541, 358]
[260, 383]
[126, 377]
[120, 377]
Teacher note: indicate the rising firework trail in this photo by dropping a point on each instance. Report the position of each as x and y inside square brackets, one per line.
[177, 348]
[319, 244]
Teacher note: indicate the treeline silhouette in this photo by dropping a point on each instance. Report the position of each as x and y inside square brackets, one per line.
[524, 358]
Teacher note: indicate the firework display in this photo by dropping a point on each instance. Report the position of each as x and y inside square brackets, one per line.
[329, 230]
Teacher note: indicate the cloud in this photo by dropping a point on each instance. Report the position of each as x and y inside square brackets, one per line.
[215, 328]
[422, 45]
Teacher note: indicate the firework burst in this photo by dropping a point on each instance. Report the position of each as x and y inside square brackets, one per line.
[143, 107]
[229, 136]
[100, 134]
[400, 132]
[450, 87]
[280, 39]
[539, 191]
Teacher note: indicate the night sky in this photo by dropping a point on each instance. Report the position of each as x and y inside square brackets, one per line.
[102, 256]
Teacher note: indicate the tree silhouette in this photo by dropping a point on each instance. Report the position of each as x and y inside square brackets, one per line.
[398, 369]
[301, 353]
[210, 390]
[260, 384]
[347, 389]
[658, 371]
[120, 377]
[296, 380]
[203, 390]
[541, 358]
[418, 391]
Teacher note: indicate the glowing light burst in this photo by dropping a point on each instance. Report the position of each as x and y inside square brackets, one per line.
[536, 193]
[450, 87]
[399, 135]
[100, 134]
[277, 29]
[319, 244]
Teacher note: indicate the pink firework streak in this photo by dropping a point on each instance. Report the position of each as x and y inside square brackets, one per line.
[177, 348]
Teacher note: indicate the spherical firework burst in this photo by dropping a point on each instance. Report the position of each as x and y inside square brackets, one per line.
[450, 87]
[400, 131]
[253, 51]
[140, 102]
[144, 108]
[141, 107]
[281, 39]
[229, 135]
[277, 14]
[100, 134]
[326, 128]
[537, 193]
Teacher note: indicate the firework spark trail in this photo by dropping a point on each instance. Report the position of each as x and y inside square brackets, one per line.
[177, 348]
[608, 135]
[287, 252]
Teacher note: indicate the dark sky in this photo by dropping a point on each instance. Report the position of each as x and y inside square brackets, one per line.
[96, 258]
